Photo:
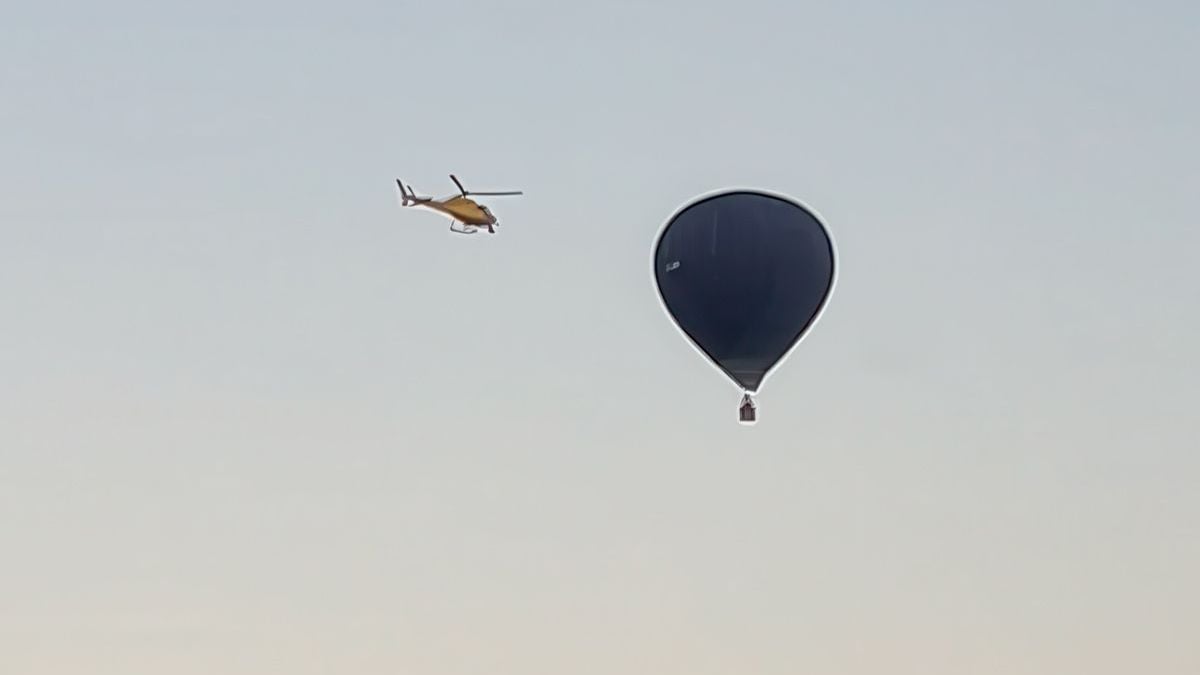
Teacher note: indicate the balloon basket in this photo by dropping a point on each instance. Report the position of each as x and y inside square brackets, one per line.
[748, 410]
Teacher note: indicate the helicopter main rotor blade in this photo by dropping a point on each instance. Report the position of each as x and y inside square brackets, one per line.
[514, 192]
[460, 186]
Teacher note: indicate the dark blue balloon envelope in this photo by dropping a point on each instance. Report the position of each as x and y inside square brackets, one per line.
[745, 274]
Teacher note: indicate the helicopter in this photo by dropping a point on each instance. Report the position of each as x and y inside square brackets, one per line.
[459, 207]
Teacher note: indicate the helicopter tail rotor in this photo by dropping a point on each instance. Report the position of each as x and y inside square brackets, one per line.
[408, 197]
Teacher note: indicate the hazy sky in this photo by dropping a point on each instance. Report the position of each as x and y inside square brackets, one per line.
[256, 418]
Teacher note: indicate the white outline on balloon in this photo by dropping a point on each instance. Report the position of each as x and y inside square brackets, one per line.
[837, 266]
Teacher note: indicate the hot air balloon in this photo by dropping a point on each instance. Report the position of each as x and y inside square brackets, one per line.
[744, 274]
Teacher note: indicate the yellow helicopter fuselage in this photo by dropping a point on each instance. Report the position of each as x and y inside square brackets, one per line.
[463, 210]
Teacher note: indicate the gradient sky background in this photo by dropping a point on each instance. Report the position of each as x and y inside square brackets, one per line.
[255, 418]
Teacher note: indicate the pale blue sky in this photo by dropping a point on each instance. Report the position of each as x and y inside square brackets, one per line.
[256, 418]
